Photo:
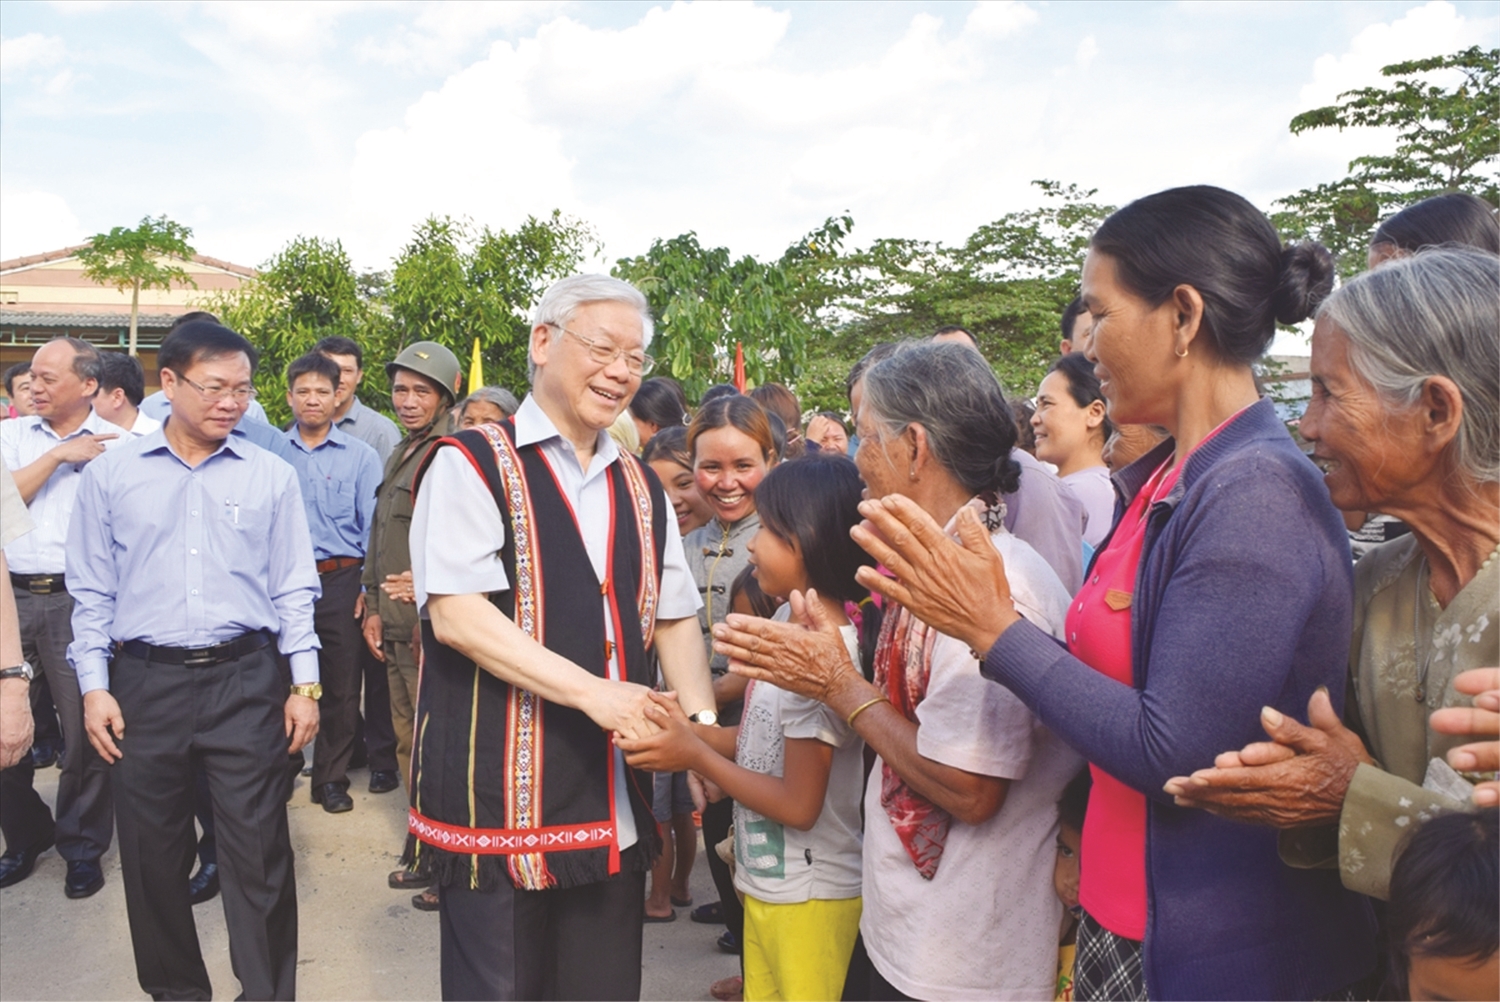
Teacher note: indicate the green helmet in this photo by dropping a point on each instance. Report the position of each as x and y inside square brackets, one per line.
[430, 359]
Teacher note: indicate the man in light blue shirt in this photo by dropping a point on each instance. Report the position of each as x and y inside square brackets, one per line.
[339, 478]
[193, 564]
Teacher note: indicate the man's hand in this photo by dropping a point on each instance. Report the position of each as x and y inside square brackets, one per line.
[374, 635]
[81, 448]
[1480, 720]
[301, 721]
[1297, 780]
[620, 707]
[104, 724]
[359, 607]
[400, 588]
[15, 720]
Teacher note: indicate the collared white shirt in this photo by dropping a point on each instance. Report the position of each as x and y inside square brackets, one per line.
[143, 425]
[22, 442]
[457, 533]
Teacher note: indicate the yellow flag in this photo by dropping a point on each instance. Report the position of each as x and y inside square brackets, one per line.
[476, 369]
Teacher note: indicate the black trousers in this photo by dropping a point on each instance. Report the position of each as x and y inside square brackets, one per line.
[718, 822]
[85, 816]
[231, 718]
[339, 671]
[579, 943]
[373, 727]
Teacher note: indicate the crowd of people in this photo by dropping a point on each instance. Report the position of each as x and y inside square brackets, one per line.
[1106, 693]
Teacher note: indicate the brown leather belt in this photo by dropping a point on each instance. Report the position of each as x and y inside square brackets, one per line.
[40, 584]
[338, 563]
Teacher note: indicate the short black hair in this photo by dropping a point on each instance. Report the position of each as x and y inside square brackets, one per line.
[19, 369]
[955, 329]
[198, 341]
[1455, 219]
[745, 583]
[1074, 802]
[341, 346]
[716, 391]
[192, 316]
[660, 401]
[118, 370]
[1445, 888]
[316, 363]
[1070, 315]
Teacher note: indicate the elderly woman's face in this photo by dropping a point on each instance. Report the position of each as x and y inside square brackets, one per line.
[1131, 347]
[478, 412]
[884, 460]
[1367, 450]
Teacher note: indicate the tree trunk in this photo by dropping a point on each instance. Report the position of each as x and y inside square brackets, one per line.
[135, 307]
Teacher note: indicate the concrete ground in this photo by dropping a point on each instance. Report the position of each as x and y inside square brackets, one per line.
[359, 939]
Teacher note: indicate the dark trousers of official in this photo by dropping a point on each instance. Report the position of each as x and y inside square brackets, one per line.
[85, 815]
[231, 717]
[373, 728]
[579, 943]
[339, 671]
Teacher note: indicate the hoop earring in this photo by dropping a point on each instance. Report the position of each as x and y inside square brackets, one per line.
[1181, 354]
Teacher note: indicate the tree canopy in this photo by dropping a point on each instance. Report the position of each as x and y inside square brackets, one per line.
[139, 258]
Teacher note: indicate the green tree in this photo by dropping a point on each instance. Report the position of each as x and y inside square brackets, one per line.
[139, 259]
[1008, 284]
[704, 301]
[307, 291]
[1447, 139]
[454, 282]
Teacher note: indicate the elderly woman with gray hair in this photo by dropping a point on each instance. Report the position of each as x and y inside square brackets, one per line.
[960, 806]
[1405, 417]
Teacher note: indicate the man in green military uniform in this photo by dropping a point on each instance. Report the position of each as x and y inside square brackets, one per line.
[424, 385]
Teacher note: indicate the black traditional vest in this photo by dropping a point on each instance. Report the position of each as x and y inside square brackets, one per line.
[504, 781]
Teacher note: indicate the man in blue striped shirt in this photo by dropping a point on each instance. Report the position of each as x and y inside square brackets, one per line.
[339, 477]
[190, 564]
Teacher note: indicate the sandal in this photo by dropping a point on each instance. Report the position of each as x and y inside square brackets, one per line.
[668, 917]
[427, 901]
[405, 880]
[681, 902]
[709, 914]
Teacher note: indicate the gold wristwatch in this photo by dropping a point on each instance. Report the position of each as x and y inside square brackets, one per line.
[314, 691]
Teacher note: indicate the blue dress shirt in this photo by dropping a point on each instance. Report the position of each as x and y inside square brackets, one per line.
[183, 556]
[339, 479]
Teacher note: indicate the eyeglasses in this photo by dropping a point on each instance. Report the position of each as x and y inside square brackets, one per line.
[241, 394]
[638, 362]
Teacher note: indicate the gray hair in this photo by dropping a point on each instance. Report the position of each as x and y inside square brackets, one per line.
[950, 390]
[497, 395]
[88, 362]
[1434, 313]
[565, 296]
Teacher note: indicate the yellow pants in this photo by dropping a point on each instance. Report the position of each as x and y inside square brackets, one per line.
[798, 952]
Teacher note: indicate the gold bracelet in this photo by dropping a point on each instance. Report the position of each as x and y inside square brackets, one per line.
[863, 707]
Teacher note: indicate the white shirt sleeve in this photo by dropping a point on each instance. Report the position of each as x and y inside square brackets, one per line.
[679, 593]
[458, 551]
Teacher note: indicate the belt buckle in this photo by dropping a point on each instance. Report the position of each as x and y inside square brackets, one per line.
[200, 658]
[40, 585]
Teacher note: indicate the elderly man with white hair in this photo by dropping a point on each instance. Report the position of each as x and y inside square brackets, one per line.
[547, 568]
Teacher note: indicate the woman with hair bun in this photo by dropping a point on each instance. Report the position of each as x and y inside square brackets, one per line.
[1224, 587]
[659, 403]
[1456, 219]
[1071, 428]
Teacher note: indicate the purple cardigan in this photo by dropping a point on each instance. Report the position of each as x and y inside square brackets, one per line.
[1243, 599]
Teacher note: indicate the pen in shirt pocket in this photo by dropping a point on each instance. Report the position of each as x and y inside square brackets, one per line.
[233, 509]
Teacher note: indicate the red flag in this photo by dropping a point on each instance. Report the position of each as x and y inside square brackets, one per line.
[739, 367]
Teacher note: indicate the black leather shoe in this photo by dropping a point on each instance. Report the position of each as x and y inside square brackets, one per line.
[17, 865]
[334, 798]
[43, 755]
[384, 780]
[204, 885]
[85, 877]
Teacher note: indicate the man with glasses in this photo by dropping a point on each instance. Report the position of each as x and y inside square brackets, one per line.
[548, 569]
[424, 378]
[48, 453]
[191, 565]
[339, 477]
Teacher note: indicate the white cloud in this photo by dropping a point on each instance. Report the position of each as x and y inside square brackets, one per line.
[998, 18]
[1432, 29]
[1087, 50]
[32, 221]
[443, 32]
[29, 53]
[289, 28]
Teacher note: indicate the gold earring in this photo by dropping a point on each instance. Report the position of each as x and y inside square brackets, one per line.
[1181, 354]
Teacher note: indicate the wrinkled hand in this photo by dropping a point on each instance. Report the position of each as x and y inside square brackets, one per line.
[1480, 720]
[620, 707]
[16, 730]
[81, 449]
[301, 721]
[672, 748]
[806, 656]
[956, 589]
[104, 724]
[400, 588]
[374, 636]
[1298, 782]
